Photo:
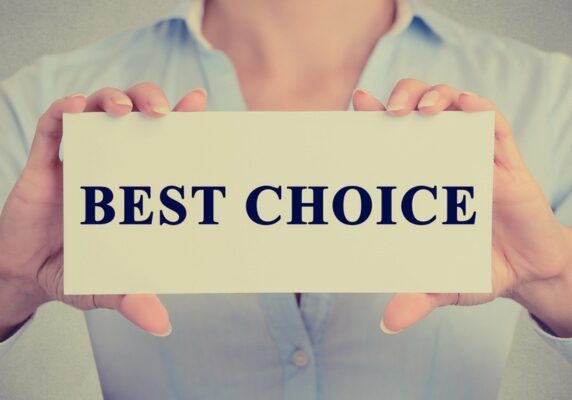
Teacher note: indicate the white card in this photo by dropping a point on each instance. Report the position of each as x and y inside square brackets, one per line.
[406, 203]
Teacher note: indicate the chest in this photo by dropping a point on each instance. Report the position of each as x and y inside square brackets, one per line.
[327, 91]
[264, 346]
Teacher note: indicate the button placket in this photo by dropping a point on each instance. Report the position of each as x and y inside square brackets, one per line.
[300, 358]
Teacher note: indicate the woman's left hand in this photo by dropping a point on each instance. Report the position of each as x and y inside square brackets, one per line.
[532, 251]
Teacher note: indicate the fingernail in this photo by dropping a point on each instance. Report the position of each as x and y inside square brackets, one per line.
[121, 100]
[386, 330]
[469, 93]
[159, 105]
[166, 333]
[203, 91]
[73, 96]
[429, 99]
[360, 90]
[398, 100]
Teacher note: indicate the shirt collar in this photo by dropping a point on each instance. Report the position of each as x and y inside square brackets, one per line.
[408, 13]
[403, 18]
[435, 23]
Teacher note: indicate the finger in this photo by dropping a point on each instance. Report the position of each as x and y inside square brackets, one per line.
[112, 101]
[194, 101]
[405, 309]
[144, 310]
[506, 148]
[45, 149]
[438, 98]
[405, 96]
[149, 99]
[362, 100]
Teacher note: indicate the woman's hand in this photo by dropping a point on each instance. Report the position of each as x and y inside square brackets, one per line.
[532, 251]
[31, 229]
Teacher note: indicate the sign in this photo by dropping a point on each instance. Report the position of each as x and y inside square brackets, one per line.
[277, 202]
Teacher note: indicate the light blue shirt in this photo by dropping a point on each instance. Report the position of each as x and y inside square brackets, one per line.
[265, 346]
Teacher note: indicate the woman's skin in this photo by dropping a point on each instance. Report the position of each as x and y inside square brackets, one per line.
[295, 55]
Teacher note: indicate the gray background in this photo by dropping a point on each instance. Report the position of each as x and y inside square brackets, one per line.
[53, 359]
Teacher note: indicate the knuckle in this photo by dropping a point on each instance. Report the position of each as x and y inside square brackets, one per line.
[94, 301]
[443, 88]
[107, 91]
[45, 116]
[54, 111]
[104, 93]
[144, 87]
[410, 82]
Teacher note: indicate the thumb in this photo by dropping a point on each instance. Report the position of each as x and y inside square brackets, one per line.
[405, 309]
[144, 310]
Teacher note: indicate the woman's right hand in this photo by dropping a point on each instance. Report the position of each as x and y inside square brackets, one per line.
[31, 222]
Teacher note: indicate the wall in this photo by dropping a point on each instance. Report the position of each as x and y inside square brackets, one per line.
[53, 359]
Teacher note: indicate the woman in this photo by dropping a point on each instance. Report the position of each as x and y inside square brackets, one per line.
[302, 55]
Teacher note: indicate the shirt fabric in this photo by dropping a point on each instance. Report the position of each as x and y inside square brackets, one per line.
[263, 345]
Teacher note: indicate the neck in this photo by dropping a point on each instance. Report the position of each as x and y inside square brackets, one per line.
[297, 41]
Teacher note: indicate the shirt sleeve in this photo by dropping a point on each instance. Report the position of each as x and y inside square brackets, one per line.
[22, 98]
[561, 345]
[559, 114]
[9, 342]
[558, 79]
[21, 102]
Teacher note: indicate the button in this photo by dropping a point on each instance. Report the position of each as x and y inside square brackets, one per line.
[300, 358]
